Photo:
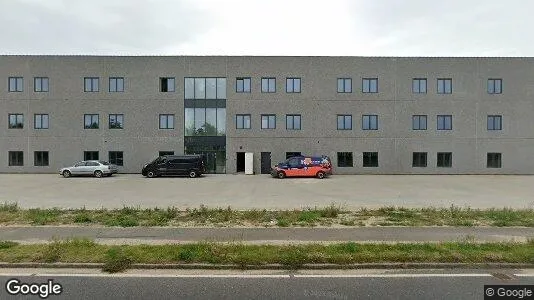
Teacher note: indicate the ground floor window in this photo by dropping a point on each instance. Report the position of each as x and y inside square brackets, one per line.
[291, 154]
[116, 158]
[90, 155]
[40, 158]
[344, 159]
[419, 160]
[494, 160]
[370, 159]
[444, 160]
[16, 158]
[163, 153]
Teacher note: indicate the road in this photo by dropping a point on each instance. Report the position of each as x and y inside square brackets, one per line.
[366, 284]
[163, 235]
[263, 192]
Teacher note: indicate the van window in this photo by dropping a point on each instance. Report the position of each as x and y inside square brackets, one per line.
[293, 162]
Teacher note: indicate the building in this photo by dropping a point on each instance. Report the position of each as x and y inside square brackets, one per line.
[371, 115]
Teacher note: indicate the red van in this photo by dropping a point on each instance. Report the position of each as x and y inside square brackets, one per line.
[303, 166]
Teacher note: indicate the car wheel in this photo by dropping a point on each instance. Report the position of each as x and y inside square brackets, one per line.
[66, 174]
[193, 174]
[320, 175]
[98, 174]
[281, 175]
[150, 174]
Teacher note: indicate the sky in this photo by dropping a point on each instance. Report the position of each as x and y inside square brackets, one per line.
[268, 27]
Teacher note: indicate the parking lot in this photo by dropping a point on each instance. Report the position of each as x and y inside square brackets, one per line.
[262, 191]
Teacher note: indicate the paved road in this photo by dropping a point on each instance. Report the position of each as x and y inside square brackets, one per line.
[261, 191]
[336, 285]
[263, 235]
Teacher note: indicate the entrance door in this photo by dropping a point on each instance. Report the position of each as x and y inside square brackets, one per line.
[265, 162]
[240, 162]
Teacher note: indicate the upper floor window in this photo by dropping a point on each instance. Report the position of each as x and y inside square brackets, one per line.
[370, 122]
[494, 86]
[419, 122]
[344, 85]
[419, 86]
[90, 121]
[90, 84]
[16, 121]
[344, 122]
[370, 85]
[205, 88]
[166, 121]
[292, 85]
[116, 121]
[40, 84]
[444, 122]
[444, 86]
[116, 84]
[242, 122]
[268, 121]
[268, 85]
[494, 122]
[40, 121]
[242, 85]
[166, 84]
[293, 122]
[15, 84]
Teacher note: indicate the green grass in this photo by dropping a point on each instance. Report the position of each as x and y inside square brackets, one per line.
[119, 258]
[11, 214]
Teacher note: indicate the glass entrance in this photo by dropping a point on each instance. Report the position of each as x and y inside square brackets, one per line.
[214, 160]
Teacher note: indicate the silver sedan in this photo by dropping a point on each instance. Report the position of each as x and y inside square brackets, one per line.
[95, 168]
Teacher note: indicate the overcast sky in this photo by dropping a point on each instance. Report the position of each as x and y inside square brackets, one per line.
[268, 27]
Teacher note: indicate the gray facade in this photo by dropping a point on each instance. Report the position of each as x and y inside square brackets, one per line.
[479, 87]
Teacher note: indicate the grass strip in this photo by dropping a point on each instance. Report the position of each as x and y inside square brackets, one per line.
[11, 214]
[117, 258]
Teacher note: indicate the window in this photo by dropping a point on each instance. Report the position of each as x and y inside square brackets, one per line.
[166, 121]
[419, 86]
[494, 86]
[419, 160]
[204, 88]
[494, 160]
[344, 85]
[344, 122]
[494, 122]
[16, 158]
[293, 122]
[445, 122]
[166, 84]
[444, 160]
[268, 85]
[90, 121]
[370, 122]
[16, 121]
[116, 158]
[242, 85]
[292, 154]
[90, 84]
[370, 85]
[40, 158]
[163, 153]
[444, 86]
[40, 84]
[419, 122]
[370, 159]
[268, 121]
[242, 122]
[344, 159]
[90, 155]
[40, 121]
[15, 84]
[292, 85]
[116, 84]
[116, 121]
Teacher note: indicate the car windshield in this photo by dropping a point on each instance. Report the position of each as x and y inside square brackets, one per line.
[105, 163]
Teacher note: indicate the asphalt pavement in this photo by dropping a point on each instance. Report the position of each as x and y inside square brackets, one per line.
[282, 285]
[164, 235]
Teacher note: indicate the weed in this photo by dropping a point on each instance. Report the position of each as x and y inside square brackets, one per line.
[116, 260]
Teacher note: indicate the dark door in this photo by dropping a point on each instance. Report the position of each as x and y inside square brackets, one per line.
[240, 164]
[265, 162]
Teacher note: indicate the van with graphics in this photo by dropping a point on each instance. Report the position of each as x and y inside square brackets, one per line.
[303, 166]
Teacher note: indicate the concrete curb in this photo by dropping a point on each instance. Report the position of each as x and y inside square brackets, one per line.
[193, 266]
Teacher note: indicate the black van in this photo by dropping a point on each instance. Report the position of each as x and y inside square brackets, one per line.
[169, 165]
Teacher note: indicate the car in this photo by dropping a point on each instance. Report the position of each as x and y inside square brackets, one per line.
[95, 168]
[169, 165]
[303, 166]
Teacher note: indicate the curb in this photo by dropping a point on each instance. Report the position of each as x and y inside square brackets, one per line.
[279, 266]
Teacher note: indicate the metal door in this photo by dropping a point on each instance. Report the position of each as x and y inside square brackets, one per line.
[265, 162]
